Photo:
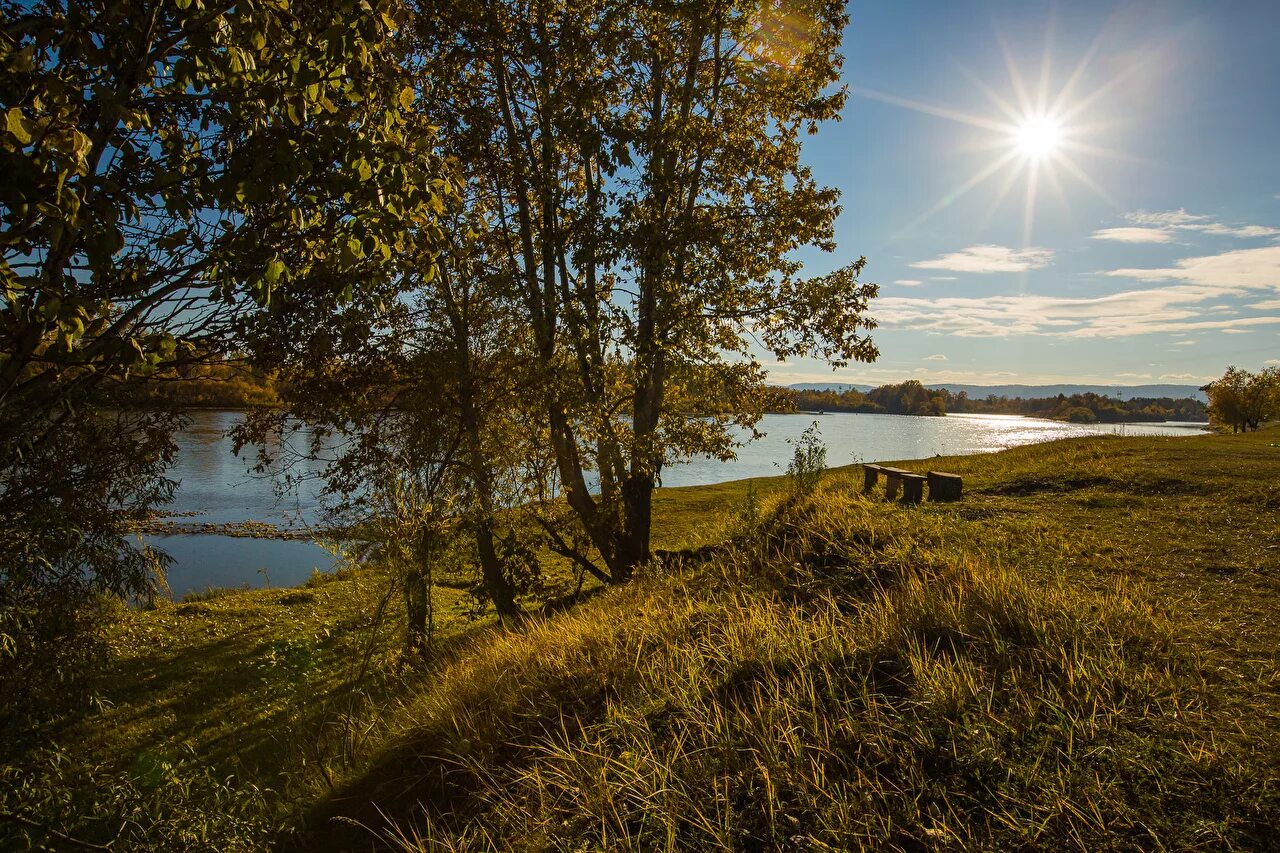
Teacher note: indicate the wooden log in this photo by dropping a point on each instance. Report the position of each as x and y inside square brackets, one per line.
[870, 476]
[944, 486]
[912, 488]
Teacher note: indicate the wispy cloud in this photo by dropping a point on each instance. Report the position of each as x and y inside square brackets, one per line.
[1134, 312]
[1236, 271]
[1184, 377]
[909, 282]
[1165, 223]
[1272, 362]
[938, 357]
[1244, 231]
[1133, 375]
[1134, 235]
[989, 258]
[1195, 284]
[1186, 343]
[1169, 219]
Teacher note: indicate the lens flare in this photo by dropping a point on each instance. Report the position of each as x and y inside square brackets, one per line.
[783, 34]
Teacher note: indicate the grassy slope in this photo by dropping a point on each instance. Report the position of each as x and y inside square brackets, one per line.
[1081, 653]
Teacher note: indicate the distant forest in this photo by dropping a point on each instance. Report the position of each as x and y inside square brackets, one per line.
[912, 398]
[215, 385]
[232, 386]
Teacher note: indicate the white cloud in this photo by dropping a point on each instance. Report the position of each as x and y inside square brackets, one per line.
[1183, 221]
[989, 258]
[1168, 219]
[1232, 272]
[1242, 231]
[1272, 361]
[1236, 332]
[1186, 343]
[909, 282]
[1184, 377]
[1164, 310]
[1190, 300]
[1134, 235]
[1133, 375]
[938, 357]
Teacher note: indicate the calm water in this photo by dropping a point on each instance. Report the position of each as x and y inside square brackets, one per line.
[202, 560]
[875, 438]
[216, 486]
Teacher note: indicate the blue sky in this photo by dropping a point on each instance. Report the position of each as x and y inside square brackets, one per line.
[1152, 252]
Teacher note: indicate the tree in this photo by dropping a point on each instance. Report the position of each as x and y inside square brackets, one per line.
[1243, 400]
[422, 379]
[646, 196]
[168, 166]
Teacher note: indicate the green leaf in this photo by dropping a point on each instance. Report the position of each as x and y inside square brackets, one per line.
[275, 268]
[16, 123]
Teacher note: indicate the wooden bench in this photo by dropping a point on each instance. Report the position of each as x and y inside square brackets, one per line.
[870, 476]
[911, 485]
[944, 486]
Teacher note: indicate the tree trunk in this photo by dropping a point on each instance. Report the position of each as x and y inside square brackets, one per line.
[496, 583]
[417, 601]
[637, 497]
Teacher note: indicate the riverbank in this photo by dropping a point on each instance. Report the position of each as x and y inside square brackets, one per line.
[1081, 653]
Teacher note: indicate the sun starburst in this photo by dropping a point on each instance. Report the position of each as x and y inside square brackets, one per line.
[1037, 134]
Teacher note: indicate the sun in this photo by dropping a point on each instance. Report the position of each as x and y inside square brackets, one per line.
[1035, 136]
[1038, 137]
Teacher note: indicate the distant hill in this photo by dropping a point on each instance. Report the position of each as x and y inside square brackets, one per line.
[1120, 392]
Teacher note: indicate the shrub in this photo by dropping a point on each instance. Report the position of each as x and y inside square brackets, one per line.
[808, 461]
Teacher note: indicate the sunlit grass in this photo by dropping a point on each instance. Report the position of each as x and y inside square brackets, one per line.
[1078, 655]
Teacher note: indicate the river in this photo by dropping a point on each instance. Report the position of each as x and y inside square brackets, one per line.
[217, 487]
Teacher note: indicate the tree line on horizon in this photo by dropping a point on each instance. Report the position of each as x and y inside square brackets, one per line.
[913, 398]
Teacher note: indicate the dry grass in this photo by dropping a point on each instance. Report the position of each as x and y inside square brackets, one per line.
[852, 676]
[1082, 654]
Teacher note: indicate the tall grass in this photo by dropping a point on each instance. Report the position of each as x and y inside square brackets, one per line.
[837, 681]
[1078, 655]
